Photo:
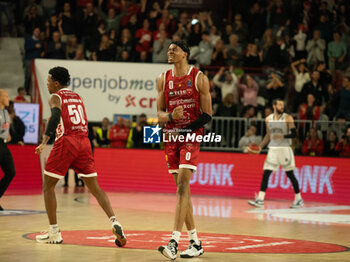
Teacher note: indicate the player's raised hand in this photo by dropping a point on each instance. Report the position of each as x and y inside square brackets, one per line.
[40, 149]
[178, 112]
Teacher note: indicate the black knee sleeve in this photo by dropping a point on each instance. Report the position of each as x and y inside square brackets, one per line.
[295, 183]
[265, 180]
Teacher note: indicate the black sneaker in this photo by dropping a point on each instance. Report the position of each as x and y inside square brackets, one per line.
[170, 250]
[193, 250]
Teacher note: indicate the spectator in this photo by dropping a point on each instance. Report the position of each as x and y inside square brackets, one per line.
[97, 35]
[332, 103]
[214, 37]
[32, 20]
[277, 55]
[228, 107]
[51, 26]
[249, 138]
[228, 32]
[300, 40]
[230, 84]
[20, 98]
[32, 3]
[119, 133]
[316, 88]
[144, 39]
[56, 49]
[310, 110]
[343, 146]
[102, 134]
[88, 26]
[66, 23]
[72, 46]
[302, 76]
[79, 53]
[219, 55]
[240, 29]
[6, 8]
[33, 49]
[315, 49]
[112, 20]
[336, 53]
[125, 44]
[137, 133]
[105, 52]
[250, 91]
[267, 41]
[204, 51]
[344, 101]
[195, 34]
[331, 143]
[275, 87]
[160, 48]
[252, 57]
[313, 145]
[256, 22]
[325, 28]
[248, 112]
[278, 15]
[234, 51]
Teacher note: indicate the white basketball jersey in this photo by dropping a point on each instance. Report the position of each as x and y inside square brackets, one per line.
[280, 127]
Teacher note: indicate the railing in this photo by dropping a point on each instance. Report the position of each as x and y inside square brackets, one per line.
[233, 128]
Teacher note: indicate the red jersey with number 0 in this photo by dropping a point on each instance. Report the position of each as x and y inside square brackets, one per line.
[73, 115]
[182, 91]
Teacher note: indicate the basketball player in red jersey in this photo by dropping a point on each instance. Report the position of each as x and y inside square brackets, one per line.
[184, 104]
[71, 149]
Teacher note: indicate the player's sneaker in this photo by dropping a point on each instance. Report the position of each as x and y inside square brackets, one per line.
[119, 234]
[297, 204]
[257, 202]
[50, 237]
[193, 250]
[170, 250]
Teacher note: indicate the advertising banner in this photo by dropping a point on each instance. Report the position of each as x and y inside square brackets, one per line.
[107, 88]
[29, 114]
[224, 174]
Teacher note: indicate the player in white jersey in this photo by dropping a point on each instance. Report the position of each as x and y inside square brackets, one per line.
[280, 130]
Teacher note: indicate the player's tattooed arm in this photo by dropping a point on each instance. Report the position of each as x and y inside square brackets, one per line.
[163, 115]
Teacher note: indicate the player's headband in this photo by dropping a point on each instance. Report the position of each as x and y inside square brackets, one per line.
[183, 45]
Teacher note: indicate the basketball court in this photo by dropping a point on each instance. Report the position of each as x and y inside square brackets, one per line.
[230, 229]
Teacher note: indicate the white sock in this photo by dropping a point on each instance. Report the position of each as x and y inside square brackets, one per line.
[192, 235]
[261, 195]
[113, 219]
[176, 236]
[54, 228]
[297, 197]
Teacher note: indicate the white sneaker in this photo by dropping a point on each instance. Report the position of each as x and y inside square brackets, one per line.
[117, 229]
[50, 237]
[257, 202]
[193, 250]
[297, 204]
[170, 250]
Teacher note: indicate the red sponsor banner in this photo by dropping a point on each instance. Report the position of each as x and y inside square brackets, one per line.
[224, 174]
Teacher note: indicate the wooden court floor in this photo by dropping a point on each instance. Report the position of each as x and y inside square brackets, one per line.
[149, 212]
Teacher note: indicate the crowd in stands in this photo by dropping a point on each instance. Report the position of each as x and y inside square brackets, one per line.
[260, 50]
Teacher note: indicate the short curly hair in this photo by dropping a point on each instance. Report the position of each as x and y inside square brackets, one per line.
[60, 74]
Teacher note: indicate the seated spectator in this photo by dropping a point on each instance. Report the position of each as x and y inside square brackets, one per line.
[249, 112]
[343, 146]
[249, 138]
[137, 133]
[56, 49]
[313, 145]
[315, 49]
[204, 52]
[72, 46]
[250, 91]
[102, 134]
[330, 145]
[219, 55]
[344, 99]
[160, 48]
[228, 107]
[105, 51]
[79, 53]
[309, 111]
[234, 51]
[336, 53]
[230, 84]
[252, 58]
[119, 133]
[20, 98]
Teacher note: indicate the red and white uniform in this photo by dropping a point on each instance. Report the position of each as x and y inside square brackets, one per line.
[72, 146]
[118, 136]
[182, 91]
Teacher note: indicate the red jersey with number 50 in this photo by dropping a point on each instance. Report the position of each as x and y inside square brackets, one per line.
[182, 91]
[73, 115]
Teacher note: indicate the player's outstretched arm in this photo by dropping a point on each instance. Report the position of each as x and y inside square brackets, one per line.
[55, 105]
